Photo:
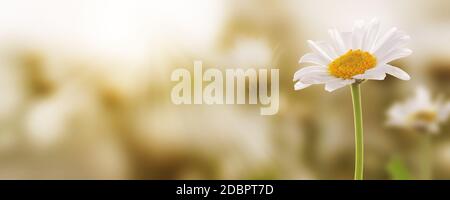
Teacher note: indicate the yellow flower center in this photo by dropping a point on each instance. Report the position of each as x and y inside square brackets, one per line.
[352, 63]
[424, 116]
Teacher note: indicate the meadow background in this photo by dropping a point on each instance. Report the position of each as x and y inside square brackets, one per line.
[85, 90]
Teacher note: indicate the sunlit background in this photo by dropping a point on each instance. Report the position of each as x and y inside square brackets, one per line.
[85, 90]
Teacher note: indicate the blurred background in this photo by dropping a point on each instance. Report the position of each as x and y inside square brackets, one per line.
[85, 90]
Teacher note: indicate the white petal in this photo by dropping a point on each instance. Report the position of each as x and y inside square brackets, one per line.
[357, 34]
[395, 54]
[307, 70]
[395, 71]
[328, 48]
[299, 86]
[338, 41]
[313, 58]
[373, 74]
[392, 44]
[399, 41]
[338, 83]
[371, 35]
[380, 41]
[316, 47]
[423, 97]
[317, 78]
[397, 115]
[347, 38]
[444, 112]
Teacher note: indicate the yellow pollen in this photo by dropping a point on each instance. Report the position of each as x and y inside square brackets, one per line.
[352, 63]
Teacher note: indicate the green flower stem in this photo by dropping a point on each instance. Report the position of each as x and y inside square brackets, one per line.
[359, 141]
[426, 157]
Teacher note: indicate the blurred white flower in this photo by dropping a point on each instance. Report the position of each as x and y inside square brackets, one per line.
[12, 91]
[49, 121]
[420, 112]
[353, 56]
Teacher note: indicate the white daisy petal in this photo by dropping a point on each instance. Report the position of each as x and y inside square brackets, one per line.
[395, 114]
[395, 54]
[318, 50]
[392, 44]
[395, 71]
[338, 83]
[347, 38]
[328, 48]
[313, 58]
[400, 41]
[379, 42]
[300, 85]
[423, 97]
[371, 35]
[372, 74]
[307, 70]
[357, 34]
[444, 113]
[317, 78]
[338, 41]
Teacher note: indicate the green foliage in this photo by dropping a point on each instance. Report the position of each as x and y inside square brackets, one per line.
[397, 169]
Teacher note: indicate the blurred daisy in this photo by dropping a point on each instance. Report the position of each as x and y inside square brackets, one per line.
[353, 56]
[420, 112]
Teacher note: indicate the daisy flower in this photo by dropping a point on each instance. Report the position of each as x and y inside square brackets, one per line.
[351, 58]
[419, 113]
[362, 54]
